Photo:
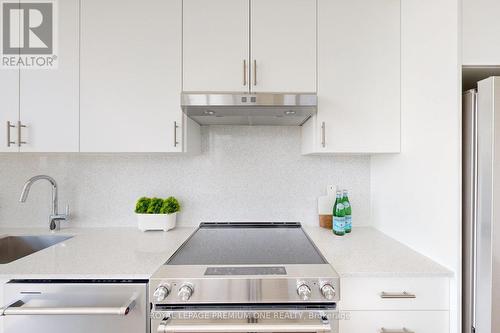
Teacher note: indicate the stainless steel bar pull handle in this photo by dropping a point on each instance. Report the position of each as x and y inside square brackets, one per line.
[167, 327]
[17, 309]
[402, 330]
[403, 294]
[9, 126]
[20, 126]
[175, 134]
[244, 72]
[323, 134]
[254, 72]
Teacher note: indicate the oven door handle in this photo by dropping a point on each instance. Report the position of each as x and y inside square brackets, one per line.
[167, 326]
[17, 309]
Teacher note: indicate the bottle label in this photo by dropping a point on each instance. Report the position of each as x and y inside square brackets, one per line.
[338, 224]
[348, 222]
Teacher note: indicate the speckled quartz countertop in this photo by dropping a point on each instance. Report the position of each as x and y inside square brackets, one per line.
[127, 253]
[101, 253]
[367, 252]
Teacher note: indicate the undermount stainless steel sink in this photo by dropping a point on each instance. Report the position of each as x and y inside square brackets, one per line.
[16, 247]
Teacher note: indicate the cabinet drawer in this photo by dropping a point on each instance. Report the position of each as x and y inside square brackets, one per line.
[395, 321]
[394, 294]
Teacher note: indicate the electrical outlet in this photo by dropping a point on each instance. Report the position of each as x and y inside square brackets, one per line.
[331, 190]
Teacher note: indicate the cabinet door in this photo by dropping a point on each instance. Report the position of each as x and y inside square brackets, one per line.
[49, 97]
[131, 76]
[394, 321]
[358, 76]
[9, 109]
[215, 45]
[283, 45]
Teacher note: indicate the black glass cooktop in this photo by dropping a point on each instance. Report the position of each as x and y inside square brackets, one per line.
[247, 244]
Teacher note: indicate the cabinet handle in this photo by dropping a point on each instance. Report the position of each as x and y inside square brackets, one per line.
[402, 330]
[244, 72]
[20, 126]
[17, 309]
[323, 134]
[404, 294]
[170, 325]
[9, 126]
[254, 72]
[175, 134]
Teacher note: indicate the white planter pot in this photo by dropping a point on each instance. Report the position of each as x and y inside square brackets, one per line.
[156, 221]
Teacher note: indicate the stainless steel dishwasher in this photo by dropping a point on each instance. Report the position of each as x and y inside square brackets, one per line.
[57, 306]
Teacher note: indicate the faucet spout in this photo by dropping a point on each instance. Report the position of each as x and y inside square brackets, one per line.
[55, 217]
[31, 181]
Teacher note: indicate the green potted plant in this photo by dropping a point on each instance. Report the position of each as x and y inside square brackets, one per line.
[156, 213]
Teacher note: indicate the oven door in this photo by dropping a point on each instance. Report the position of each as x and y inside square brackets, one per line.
[75, 307]
[242, 321]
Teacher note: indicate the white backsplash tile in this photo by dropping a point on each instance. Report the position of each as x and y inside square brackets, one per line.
[243, 174]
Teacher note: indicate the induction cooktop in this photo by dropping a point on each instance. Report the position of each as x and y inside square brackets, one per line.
[264, 243]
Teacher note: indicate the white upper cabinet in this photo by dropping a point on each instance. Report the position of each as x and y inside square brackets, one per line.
[131, 57]
[358, 79]
[41, 104]
[216, 45]
[249, 45]
[9, 109]
[481, 32]
[283, 45]
[49, 97]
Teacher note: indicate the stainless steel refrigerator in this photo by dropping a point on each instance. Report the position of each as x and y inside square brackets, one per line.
[481, 208]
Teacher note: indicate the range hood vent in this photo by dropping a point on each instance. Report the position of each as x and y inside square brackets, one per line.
[288, 109]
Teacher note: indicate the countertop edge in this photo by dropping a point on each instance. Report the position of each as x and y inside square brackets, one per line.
[355, 246]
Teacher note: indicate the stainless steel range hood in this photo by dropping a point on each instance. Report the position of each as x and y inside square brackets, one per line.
[290, 109]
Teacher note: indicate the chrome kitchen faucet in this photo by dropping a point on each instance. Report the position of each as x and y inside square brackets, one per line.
[55, 218]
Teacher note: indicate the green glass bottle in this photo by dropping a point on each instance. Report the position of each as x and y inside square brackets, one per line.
[348, 212]
[338, 216]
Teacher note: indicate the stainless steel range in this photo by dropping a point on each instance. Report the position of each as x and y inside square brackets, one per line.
[245, 277]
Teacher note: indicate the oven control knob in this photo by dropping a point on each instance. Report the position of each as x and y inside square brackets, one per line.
[304, 291]
[328, 291]
[161, 293]
[185, 292]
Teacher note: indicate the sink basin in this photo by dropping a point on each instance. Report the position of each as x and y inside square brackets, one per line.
[16, 247]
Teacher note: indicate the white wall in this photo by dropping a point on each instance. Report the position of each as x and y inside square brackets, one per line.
[416, 195]
[481, 29]
[243, 174]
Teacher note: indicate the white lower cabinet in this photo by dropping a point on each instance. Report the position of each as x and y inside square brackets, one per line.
[394, 304]
[394, 321]
[395, 294]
